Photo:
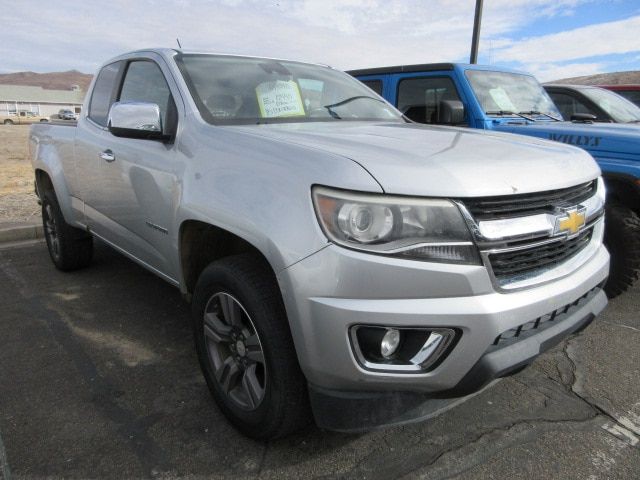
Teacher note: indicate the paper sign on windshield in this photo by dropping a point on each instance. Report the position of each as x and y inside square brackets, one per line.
[502, 99]
[279, 99]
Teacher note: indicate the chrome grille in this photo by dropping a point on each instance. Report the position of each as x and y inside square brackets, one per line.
[529, 203]
[520, 238]
[524, 260]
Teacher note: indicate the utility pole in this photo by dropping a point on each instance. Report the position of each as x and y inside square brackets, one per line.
[475, 41]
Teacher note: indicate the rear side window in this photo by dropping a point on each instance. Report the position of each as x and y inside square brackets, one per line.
[103, 93]
[145, 82]
[375, 85]
[419, 98]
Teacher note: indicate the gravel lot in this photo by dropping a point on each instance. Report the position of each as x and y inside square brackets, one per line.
[18, 202]
[99, 379]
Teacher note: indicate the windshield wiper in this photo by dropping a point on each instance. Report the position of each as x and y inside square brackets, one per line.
[351, 99]
[509, 112]
[332, 113]
[345, 101]
[535, 112]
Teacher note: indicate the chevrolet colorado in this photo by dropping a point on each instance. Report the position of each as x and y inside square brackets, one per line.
[339, 260]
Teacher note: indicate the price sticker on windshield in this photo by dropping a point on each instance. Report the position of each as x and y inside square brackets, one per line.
[502, 99]
[279, 99]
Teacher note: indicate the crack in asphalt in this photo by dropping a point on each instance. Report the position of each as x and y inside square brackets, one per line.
[545, 424]
[486, 437]
[410, 468]
[633, 429]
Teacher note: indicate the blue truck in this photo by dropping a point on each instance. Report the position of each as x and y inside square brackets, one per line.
[493, 98]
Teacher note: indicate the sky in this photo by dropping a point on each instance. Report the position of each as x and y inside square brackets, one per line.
[552, 39]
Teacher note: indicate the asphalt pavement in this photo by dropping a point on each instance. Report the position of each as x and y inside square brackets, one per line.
[99, 379]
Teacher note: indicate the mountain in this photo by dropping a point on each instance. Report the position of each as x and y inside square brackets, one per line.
[615, 78]
[51, 81]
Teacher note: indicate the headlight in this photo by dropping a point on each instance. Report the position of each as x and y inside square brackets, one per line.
[418, 228]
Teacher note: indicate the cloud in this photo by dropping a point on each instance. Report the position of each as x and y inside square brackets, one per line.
[546, 72]
[591, 41]
[67, 34]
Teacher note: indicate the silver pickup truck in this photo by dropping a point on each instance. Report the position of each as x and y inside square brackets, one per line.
[340, 260]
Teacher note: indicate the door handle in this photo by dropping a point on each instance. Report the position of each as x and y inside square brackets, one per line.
[107, 156]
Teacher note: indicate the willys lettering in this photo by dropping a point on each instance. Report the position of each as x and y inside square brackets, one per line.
[578, 140]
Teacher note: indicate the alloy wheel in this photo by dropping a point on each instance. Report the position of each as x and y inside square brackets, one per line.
[235, 351]
[51, 232]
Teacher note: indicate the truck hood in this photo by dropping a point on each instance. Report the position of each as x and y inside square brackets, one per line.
[412, 159]
[608, 140]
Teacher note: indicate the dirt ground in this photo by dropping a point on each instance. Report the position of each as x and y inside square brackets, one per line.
[18, 202]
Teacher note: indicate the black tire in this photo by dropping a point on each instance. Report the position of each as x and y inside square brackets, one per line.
[284, 405]
[70, 248]
[622, 239]
[8, 122]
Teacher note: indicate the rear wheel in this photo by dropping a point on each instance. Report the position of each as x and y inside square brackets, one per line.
[8, 122]
[69, 248]
[622, 238]
[245, 348]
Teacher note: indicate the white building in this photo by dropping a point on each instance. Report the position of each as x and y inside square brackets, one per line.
[41, 101]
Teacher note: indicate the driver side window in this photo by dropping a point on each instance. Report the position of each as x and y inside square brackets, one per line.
[145, 82]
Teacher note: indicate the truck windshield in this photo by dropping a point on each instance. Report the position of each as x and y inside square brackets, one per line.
[620, 109]
[510, 93]
[243, 90]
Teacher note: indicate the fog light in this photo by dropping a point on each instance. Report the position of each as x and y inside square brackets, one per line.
[390, 342]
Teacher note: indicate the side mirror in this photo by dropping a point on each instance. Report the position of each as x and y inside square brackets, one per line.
[136, 120]
[583, 117]
[450, 112]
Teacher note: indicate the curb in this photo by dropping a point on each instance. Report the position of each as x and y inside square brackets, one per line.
[20, 233]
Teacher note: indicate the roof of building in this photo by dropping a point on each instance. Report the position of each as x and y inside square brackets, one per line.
[30, 94]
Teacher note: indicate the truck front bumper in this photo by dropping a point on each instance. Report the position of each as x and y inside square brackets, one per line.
[331, 291]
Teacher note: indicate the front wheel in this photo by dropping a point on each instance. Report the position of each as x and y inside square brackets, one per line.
[245, 348]
[622, 239]
[69, 248]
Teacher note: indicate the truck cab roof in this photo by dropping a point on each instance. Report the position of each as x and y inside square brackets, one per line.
[172, 52]
[429, 67]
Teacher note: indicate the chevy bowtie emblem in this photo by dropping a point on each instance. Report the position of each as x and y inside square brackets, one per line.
[571, 222]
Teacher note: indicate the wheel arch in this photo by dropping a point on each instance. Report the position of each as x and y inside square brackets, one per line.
[624, 189]
[201, 243]
[43, 182]
[49, 174]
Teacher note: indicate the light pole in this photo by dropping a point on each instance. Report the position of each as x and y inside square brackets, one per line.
[475, 41]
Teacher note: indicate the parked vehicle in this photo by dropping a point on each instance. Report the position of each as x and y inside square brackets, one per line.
[576, 102]
[630, 92]
[338, 259]
[22, 118]
[65, 114]
[493, 98]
